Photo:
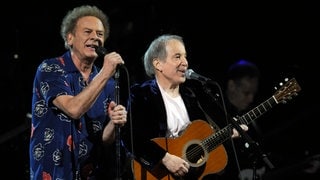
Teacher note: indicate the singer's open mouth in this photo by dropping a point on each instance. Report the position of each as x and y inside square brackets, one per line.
[92, 46]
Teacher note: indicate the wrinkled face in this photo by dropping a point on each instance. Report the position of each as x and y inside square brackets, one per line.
[242, 93]
[88, 34]
[173, 68]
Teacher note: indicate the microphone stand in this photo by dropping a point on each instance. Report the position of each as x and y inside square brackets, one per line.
[252, 143]
[236, 125]
[208, 90]
[117, 130]
[101, 51]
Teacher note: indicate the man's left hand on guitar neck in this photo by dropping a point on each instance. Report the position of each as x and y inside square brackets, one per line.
[236, 134]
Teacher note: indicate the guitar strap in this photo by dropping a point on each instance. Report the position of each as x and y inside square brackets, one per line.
[211, 122]
[209, 119]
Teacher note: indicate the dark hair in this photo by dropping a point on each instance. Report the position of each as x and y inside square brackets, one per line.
[242, 68]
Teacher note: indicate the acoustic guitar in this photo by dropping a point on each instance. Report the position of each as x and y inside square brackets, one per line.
[201, 146]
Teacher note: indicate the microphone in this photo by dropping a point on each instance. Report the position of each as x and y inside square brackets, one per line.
[190, 74]
[101, 51]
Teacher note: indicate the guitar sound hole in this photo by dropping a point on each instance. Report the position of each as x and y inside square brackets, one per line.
[195, 153]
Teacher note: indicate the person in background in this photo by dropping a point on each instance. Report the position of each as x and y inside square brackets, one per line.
[241, 88]
[242, 85]
[74, 113]
[162, 107]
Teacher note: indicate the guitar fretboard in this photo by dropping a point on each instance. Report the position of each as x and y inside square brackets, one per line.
[258, 111]
[224, 134]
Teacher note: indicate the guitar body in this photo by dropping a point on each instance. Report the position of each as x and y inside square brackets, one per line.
[189, 146]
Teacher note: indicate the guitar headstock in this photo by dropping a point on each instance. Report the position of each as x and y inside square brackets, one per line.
[287, 91]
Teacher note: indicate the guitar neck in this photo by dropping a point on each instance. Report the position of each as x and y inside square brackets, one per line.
[258, 111]
[224, 134]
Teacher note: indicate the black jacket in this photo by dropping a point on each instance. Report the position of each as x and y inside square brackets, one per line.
[149, 120]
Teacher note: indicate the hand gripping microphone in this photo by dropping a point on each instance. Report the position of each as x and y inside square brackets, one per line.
[101, 51]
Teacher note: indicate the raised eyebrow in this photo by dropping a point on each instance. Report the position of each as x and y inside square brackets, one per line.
[87, 29]
[178, 54]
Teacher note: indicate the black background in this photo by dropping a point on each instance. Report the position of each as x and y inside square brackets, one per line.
[281, 38]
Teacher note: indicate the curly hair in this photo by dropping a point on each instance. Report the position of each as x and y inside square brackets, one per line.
[69, 22]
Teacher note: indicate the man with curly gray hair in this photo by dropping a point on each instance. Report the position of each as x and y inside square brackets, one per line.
[74, 112]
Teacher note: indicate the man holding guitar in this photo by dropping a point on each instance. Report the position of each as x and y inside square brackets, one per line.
[169, 136]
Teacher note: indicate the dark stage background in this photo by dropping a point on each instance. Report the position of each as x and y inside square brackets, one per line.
[281, 38]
